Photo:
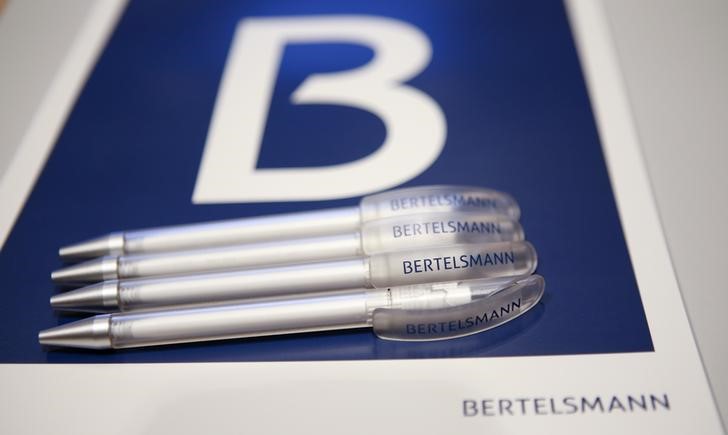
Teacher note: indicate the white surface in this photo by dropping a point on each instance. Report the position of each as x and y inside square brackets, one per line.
[238, 397]
[34, 39]
[674, 58]
[33, 42]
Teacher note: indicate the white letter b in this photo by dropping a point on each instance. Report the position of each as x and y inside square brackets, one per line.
[415, 125]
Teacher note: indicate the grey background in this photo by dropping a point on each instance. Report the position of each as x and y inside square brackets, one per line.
[674, 58]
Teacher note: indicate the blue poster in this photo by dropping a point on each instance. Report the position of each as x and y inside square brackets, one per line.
[495, 96]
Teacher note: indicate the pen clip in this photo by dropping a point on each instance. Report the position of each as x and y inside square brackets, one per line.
[503, 305]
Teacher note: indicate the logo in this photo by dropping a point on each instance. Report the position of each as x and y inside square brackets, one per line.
[415, 124]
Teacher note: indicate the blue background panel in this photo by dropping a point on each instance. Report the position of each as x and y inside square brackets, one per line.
[507, 77]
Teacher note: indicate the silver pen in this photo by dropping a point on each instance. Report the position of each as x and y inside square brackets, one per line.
[383, 235]
[437, 264]
[393, 203]
[418, 312]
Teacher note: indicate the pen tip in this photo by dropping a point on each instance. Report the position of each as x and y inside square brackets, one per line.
[96, 298]
[99, 269]
[90, 333]
[111, 244]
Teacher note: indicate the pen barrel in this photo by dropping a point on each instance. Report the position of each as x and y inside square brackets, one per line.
[241, 256]
[228, 287]
[339, 311]
[244, 230]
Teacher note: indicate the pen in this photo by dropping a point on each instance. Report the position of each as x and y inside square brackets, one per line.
[400, 202]
[418, 312]
[384, 235]
[447, 263]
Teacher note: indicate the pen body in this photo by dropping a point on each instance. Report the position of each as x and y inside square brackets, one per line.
[386, 235]
[417, 312]
[395, 203]
[340, 311]
[449, 263]
[215, 288]
[240, 257]
[244, 230]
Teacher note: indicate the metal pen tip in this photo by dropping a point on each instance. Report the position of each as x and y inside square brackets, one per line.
[106, 245]
[96, 298]
[96, 270]
[90, 333]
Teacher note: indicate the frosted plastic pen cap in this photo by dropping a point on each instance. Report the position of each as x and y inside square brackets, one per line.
[492, 303]
[425, 230]
[445, 198]
[452, 263]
